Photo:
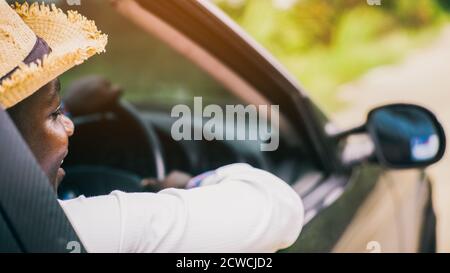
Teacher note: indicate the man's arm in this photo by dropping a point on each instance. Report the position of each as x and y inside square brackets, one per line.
[238, 209]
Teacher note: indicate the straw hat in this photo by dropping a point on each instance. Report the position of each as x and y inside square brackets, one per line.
[60, 40]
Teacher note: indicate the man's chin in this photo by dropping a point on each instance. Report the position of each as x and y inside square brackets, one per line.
[59, 177]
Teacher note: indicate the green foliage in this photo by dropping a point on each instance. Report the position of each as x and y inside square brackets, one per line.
[413, 13]
[326, 43]
[445, 4]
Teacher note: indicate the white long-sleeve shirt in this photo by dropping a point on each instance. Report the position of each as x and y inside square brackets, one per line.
[237, 209]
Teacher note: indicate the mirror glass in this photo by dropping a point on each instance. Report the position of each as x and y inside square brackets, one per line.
[406, 135]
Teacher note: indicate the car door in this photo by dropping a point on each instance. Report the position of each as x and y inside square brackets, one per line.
[391, 218]
[366, 198]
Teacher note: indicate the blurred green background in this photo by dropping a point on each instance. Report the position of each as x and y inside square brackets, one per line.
[323, 43]
[326, 43]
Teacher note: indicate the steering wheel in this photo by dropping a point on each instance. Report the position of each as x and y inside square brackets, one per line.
[152, 144]
[111, 150]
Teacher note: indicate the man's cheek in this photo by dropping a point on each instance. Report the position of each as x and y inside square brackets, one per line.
[48, 165]
[53, 146]
[56, 137]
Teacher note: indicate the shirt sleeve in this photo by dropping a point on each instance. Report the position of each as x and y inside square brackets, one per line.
[237, 209]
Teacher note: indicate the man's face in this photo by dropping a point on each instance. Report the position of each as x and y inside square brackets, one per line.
[45, 129]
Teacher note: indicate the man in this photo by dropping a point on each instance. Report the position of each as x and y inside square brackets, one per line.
[236, 208]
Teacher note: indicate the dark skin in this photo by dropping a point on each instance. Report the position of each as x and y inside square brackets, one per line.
[46, 129]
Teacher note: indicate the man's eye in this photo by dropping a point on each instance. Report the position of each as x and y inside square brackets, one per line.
[57, 113]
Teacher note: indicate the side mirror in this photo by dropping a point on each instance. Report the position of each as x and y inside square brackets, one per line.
[404, 136]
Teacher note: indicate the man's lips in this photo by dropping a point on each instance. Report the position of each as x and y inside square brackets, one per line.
[63, 157]
[61, 173]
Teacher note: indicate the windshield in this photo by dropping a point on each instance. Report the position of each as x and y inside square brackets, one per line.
[150, 72]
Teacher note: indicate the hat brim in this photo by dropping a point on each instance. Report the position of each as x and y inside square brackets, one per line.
[72, 38]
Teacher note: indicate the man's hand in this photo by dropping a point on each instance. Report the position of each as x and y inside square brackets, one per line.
[91, 94]
[175, 179]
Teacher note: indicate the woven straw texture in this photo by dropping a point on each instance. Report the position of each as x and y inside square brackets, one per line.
[72, 38]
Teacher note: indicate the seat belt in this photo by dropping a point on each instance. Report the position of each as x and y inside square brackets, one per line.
[31, 219]
[8, 243]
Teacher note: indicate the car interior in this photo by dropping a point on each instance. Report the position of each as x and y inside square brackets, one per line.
[117, 147]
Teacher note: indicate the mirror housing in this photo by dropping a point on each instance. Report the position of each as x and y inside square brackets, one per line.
[404, 136]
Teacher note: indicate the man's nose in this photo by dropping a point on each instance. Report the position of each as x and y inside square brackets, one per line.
[68, 125]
